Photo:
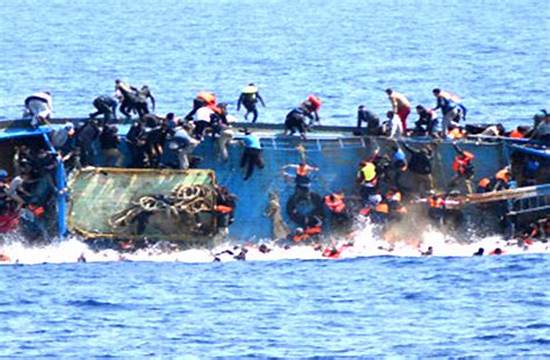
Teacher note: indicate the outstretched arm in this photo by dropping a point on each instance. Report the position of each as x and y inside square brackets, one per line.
[260, 98]
[239, 102]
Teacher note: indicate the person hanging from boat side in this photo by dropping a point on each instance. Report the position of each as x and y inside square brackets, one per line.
[252, 153]
[301, 177]
[463, 168]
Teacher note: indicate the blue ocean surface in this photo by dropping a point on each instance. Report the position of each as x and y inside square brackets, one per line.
[437, 307]
[494, 54]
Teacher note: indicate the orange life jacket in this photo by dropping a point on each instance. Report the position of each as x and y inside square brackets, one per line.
[300, 237]
[302, 170]
[484, 183]
[313, 230]
[37, 211]
[503, 175]
[223, 209]
[382, 208]
[315, 101]
[461, 163]
[515, 134]
[337, 205]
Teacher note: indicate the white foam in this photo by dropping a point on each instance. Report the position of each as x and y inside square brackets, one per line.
[365, 244]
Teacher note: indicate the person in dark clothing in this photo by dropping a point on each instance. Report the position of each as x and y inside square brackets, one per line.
[85, 138]
[252, 154]
[105, 106]
[296, 120]
[135, 140]
[155, 138]
[427, 120]
[128, 97]
[479, 252]
[420, 167]
[109, 142]
[370, 118]
[249, 98]
[142, 105]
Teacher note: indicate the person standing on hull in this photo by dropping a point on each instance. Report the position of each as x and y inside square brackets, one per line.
[249, 98]
[448, 109]
[106, 106]
[39, 106]
[128, 96]
[312, 106]
[368, 117]
[400, 105]
[252, 154]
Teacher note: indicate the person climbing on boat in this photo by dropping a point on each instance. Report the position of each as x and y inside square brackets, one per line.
[336, 205]
[312, 105]
[249, 98]
[462, 110]
[426, 123]
[463, 167]
[399, 164]
[449, 109]
[183, 143]
[400, 106]
[367, 178]
[502, 179]
[109, 141]
[301, 176]
[224, 208]
[370, 119]
[106, 106]
[252, 153]
[39, 107]
[542, 131]
[420, 167]
[296, 121]
[203, 98]
[220, 123]
[86, 136]
[142, 101]
[135, 140]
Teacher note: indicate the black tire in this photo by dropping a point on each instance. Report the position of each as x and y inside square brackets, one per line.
[302, 199]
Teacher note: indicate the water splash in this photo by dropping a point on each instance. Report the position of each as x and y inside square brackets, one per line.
[362, 243]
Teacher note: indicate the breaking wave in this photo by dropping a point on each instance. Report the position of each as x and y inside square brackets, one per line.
[362, 243]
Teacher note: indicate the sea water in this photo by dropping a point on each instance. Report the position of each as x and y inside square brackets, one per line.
[372, 302]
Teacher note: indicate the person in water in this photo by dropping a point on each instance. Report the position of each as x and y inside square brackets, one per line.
[249, 98]
[400, 106]
[106, 106]
[252, 154]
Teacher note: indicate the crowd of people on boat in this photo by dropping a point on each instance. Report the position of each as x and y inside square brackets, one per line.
[381, 196]
[27, 193]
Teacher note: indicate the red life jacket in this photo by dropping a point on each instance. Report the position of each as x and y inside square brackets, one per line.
[223, 209]
[462, 164]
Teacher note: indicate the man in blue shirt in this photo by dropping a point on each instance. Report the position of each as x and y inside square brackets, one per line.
[252, 154]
